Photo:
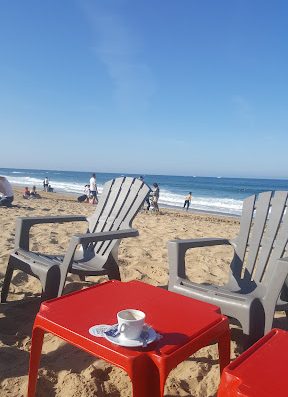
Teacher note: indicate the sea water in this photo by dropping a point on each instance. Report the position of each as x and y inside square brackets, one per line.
[209, 194]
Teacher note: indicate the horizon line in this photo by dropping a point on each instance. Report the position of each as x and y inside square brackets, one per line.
[147, 174]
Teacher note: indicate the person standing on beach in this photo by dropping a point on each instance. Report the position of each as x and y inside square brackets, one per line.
[93, 189]
[46, 184]
[6, 192]
[187, 201]
[155, 197]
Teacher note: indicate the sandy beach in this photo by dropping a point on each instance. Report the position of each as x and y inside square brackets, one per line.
[67, 371]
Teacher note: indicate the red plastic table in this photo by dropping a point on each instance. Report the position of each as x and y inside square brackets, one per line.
[185, 324]
[261, 371]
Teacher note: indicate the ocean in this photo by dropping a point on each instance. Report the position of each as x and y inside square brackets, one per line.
[209, 194]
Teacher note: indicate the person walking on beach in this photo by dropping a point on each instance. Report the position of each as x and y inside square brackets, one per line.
[6, 192]
[93, 189]
[45, 184]
[155, 197]
[187, 201]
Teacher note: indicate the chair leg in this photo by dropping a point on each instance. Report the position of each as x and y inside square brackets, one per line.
[113, 269]
[6, 283]
[112, 264]
[114, 275]
[248, 341]
[81, 277]
[36, 348]
[254, 334]
[50, 283]
[254, 326]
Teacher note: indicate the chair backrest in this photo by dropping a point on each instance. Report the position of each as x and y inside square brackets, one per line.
[118, 205]
[262, 238]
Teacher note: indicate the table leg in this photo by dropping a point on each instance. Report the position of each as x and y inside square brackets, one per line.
[163, 377]
[144, 376]
[36, 348]
[224, 350]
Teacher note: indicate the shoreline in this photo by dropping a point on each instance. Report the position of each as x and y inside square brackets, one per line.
[19, 188]
[203, 212]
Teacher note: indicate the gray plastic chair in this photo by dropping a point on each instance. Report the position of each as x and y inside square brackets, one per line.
[119, 203]
[257, 274]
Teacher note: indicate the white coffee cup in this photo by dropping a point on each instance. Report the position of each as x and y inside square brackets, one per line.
[130, 323]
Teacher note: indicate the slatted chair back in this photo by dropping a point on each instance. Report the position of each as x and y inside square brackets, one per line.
[118, 205]
[263, 237]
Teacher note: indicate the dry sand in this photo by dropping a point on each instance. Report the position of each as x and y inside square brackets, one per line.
[66, 371]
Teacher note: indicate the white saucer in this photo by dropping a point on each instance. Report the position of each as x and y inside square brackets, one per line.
[99, 329]
[119, 340]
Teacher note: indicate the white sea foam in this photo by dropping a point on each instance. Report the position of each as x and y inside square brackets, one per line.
[167, 198]
[210, 204]
[58, 186]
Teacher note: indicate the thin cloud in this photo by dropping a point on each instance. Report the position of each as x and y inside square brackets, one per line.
[117, 48]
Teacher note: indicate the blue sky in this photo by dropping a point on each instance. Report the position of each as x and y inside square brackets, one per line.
[180, 87]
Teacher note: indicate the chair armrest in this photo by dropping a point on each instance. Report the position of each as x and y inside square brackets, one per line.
[103, 236]
[177, 250]
[199, 242]
[23, 226]
[89, 238]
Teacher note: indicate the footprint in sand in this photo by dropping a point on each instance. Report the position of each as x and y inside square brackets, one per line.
[185, 386]
[35, 247]
[53, 238]
[146, 254]
[123, 262]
